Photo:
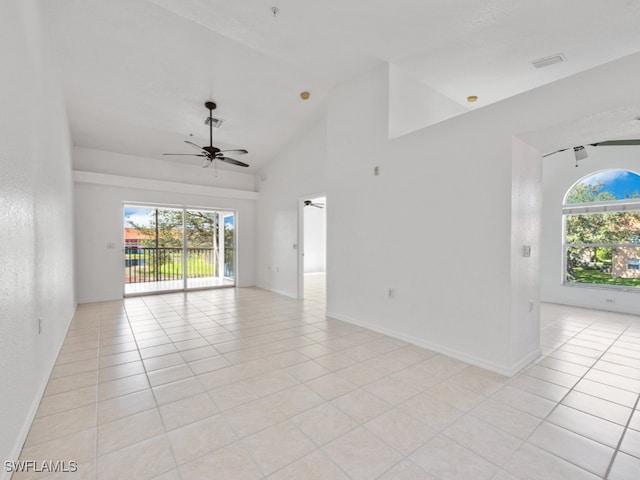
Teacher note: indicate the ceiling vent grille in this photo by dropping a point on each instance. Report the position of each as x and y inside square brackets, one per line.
[216, 122]
[552, 60]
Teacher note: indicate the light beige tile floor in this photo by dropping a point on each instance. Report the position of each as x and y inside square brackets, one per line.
[248, 384]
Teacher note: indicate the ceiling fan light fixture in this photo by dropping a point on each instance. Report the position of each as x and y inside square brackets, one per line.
[206, 162]
[580, 153]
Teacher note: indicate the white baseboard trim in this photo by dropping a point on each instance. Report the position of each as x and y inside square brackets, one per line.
[280, 292]
[26, 426]
[33, 409]
[525, 362]
[507, 370]
[99, 299]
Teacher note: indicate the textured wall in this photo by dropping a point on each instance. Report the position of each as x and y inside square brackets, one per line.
[36, 221]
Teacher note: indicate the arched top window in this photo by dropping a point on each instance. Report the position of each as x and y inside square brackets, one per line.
[605, 186]
[601, 214]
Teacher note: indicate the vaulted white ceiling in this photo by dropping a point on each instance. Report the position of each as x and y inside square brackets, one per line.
[136, 73]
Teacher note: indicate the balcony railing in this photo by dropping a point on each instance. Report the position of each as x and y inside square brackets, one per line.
[142, 264]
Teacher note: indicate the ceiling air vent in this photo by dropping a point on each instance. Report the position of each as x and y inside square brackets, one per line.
[545, 62]
[216, 122]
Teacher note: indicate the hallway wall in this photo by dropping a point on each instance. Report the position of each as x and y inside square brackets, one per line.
[37, 298]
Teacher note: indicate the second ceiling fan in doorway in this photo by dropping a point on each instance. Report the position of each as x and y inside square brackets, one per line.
[311, 203]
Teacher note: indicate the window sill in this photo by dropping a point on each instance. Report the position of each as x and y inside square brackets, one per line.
[592, 286]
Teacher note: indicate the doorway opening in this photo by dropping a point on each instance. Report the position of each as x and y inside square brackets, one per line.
[313, 251]
[174, 249]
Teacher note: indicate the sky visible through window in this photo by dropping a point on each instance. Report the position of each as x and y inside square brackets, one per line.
[620, 183]
[141, 217]
[137, 215]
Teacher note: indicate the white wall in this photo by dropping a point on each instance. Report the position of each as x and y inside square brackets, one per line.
[526, 220]
[315, 238]
[298, 171]
[464, 197]
[91, 160]
[442, 202]
[413, 105]
[35, 220]
[99, 201]
[559, 175]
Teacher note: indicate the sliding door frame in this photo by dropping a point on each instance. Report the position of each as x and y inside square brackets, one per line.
[222, 213]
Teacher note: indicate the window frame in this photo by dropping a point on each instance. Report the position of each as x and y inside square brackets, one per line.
[609, 206]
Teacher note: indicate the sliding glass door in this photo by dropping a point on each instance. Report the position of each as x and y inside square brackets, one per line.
[210, 246]
[169, 249]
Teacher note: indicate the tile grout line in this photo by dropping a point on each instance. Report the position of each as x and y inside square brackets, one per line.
[624, 432]
[95, 456]
[526, 440]
[288, 419]
[239, 439]
[559, 402]
[166, 435]
[613, 342]
[220, 412]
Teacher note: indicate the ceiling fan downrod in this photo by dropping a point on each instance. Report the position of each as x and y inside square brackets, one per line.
[211, 106]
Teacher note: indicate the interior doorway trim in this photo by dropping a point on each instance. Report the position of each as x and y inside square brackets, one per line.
[300, 241]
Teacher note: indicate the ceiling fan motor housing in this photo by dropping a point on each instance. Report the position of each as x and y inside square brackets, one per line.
[211, 150]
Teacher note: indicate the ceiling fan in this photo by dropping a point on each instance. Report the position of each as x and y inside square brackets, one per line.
[210, 154]
[311, 203]
[581, 153]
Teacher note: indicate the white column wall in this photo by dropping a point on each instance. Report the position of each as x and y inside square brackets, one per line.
[36, 220]
[526, 208]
